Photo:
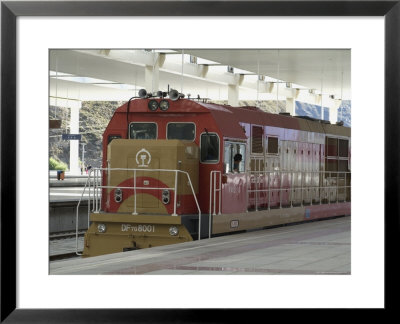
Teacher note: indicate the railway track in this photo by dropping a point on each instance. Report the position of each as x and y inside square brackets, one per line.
[63, 245]
[65, 235]
[63, 256]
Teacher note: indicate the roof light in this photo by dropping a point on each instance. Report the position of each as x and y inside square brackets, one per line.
[164, 105]
[153, 105]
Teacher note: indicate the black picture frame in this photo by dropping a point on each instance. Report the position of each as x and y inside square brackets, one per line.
[10, 10]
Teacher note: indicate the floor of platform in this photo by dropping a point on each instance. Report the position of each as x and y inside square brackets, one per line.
[319, 247]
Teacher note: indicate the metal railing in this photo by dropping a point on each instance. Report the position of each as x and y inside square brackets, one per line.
[94, 183]
[90, 184]
[213, 193]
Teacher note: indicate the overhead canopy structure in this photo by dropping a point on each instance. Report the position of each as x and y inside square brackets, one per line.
[116, 74]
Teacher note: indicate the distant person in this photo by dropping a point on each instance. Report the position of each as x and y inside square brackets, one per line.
[88, 169]
[236, 162]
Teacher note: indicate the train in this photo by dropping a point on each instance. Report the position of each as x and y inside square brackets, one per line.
[177, 169]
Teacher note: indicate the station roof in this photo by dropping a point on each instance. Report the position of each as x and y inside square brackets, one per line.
[115, 74]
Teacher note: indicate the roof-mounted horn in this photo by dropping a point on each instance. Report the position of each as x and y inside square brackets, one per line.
[175, 95]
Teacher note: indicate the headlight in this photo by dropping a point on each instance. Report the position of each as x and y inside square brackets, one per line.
[165, 196]
[118, 195]
[101, 228]
[173, 231]
[164, 105]
[153, 105]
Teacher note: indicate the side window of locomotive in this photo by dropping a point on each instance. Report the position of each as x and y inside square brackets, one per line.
[331, 159]
[332, 146]
[343, 155]
[232, 150]
[209, 148]
[142, 130]
[181, 131]
[337, 157]
[343, 148]
[272, 146]
[256, 139]
[111, 137]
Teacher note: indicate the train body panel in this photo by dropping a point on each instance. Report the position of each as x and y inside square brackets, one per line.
[225, 223]
[125, 232]
[291, 169]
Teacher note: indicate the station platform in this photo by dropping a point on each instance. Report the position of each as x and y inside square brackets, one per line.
[69, 181]
[318, 247]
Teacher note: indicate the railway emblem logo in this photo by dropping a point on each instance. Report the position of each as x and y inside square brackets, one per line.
[143, 158]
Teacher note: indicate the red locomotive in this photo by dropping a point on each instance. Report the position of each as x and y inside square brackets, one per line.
[178, 169]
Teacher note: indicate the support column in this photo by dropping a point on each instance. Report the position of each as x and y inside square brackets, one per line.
[333, 110]
[291, 106]
[291, 95]
[74, 167]
[233, 95]
[319, 102]
[152, 76]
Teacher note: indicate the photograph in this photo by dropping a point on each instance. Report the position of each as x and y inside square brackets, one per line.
[157, 156]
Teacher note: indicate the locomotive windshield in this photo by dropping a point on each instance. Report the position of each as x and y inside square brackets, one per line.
[143, 131]
[181, 131]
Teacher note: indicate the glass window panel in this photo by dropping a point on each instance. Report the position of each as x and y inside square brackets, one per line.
[273, 147]
[343, 148]
[143, 131]
[332, 146]
[331, 165]
[232, 150]
[256, 139]
[228, 157]
[343, 165]
[209, 148]
[181, 131]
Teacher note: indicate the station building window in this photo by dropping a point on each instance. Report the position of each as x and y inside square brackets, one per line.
[140, 130]
[209, 148]
[231, 149]
[181, 131]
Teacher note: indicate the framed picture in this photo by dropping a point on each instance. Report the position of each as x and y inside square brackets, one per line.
[91, 16]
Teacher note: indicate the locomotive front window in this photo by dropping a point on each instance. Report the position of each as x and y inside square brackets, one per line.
[181, 131]
[143, 131]
[209, 144]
